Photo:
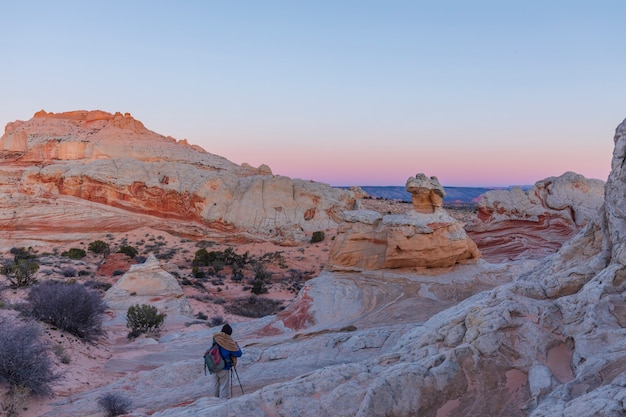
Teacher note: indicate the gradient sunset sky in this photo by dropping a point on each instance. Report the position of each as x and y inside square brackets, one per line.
[477, 93]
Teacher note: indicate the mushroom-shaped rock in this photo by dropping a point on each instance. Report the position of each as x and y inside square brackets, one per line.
[425, 236]
[427, 193]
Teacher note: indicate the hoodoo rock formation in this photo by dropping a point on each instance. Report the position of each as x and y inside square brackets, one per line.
[518, 224]
[68, 175]
[425, 236]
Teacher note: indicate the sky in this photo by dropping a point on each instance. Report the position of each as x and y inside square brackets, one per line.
[346, 92]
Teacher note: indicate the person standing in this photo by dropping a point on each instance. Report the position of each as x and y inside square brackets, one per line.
[230, 351]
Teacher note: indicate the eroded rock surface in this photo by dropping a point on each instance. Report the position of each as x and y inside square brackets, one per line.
[425, 236]
[527, 338]
[148, 283]
[518, 224]
[99, 169]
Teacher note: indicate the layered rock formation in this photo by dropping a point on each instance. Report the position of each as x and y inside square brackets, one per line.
[517, 224]
[67, 175]
[148, 283]
[425, 236]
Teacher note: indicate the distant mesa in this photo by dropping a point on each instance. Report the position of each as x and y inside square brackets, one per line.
[425, 236]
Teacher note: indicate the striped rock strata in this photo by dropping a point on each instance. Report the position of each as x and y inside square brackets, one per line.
[69, 175]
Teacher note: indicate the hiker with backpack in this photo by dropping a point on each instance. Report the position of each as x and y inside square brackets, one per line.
[221, 366]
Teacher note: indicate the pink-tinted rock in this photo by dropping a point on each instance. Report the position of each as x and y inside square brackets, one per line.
[517, 224]
[95, 167]
[424, 237]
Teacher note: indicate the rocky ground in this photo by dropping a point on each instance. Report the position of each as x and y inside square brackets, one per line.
[215, 299]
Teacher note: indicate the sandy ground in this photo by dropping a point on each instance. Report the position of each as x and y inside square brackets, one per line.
[81, 363]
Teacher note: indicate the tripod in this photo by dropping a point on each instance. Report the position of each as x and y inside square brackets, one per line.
[238, 380]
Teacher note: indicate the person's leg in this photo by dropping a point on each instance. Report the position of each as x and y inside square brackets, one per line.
[216, 385]
[224, 384]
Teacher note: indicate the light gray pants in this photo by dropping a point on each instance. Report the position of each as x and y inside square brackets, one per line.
[221, 387]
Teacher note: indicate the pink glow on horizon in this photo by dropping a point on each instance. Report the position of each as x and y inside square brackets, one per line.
[469, 168]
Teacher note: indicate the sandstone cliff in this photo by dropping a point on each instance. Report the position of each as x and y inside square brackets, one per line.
[68, 175]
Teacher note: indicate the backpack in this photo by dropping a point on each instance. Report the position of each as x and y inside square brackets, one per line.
[213, 360]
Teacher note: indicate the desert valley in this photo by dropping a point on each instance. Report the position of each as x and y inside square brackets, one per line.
[344, 304]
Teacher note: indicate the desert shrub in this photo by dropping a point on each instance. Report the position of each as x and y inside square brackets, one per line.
[204, 257]
[14, 401]
[197, 273]
[216, 321]
[261, 276]
[60, 352]
[143, 318]
[22, 253]
[25, 360]
[114, 404]
[83, 273]
[317, 236]
[254, 307]
[69, 306]
[74, 253]
[201, 316]
[99, 246]
[168, 254]
[205, 244]
[260, 273]
[128, 251]
[258, 287]
[97, 285]
[20, 272]
[68, 272]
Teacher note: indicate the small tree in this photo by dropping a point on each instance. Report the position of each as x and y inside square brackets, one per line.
[98, 246]
[20, 272]
[128, 251]
[142, 319]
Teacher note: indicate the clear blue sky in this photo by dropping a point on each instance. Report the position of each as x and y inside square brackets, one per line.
[345, 92]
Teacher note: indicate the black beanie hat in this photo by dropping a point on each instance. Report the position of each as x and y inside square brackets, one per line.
[227, 329]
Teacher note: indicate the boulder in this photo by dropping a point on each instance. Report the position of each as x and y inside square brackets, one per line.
[424, 237]
[148, 283]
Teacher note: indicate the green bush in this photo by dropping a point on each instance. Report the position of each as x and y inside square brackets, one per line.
[98, 246]
[69, 306]
[74, 253]
[128, 251]
[143, 318]
[20, 272]
[317, 236]
[26, 359]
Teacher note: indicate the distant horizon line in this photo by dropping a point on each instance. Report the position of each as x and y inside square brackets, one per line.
[445, 186]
